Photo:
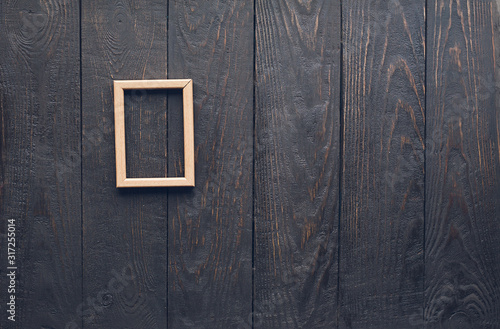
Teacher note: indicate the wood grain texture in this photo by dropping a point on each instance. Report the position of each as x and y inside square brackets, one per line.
[297, 98]
[210, 225]
[381, 253]
[462, 287]
[124, 232]
[40, 159]
[144, 158]
[407, 114]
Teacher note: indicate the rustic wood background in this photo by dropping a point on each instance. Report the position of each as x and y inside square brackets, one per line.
[347, 164]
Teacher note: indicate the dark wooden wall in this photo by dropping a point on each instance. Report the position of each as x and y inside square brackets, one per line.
[347, 164]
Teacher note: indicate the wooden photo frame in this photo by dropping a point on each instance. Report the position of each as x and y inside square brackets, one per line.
[187, 100]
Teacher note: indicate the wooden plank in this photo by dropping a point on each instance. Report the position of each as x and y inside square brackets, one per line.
[462, 246]
[381, 254]
[210, 225]
[124, 232]
[136, 155]
[40, 160]
[297, 163]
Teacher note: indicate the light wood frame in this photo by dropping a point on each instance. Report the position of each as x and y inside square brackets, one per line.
[187, 99]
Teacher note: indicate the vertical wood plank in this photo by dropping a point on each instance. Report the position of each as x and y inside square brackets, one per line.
[146, 132]
[40, 160]
[462, 246]
[124, 231]
[210, 225]
[296, 163]
[381, 254]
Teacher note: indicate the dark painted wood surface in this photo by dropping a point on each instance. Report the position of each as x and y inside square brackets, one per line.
[124, 231]
[462, 228]
[210, 226]
[40, 160]
[297, 98]
[347, 164]
[382, 187]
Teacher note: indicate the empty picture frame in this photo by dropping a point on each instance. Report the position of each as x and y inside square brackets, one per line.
[187, 100]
